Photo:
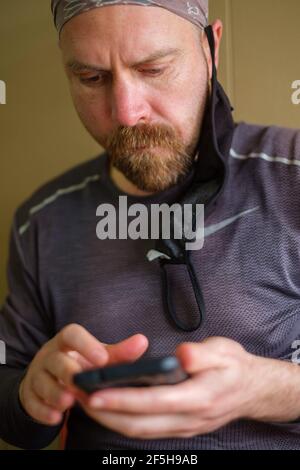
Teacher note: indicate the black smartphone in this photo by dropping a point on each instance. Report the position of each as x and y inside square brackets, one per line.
[144, 372]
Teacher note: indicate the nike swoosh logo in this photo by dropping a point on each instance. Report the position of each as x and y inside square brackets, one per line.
[211, 229]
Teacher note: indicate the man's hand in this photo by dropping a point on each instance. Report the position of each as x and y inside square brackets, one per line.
[226, 383]
[47, 389]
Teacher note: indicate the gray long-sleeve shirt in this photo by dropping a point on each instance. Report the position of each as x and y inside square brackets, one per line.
[59, 272]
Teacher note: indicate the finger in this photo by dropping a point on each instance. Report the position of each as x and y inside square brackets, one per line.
[62, 367]
[128, 350]
[76, 338]
[186, 397]
[197, 357]
[54, 394]
[146, 426]
[84, 363]
[41, 412]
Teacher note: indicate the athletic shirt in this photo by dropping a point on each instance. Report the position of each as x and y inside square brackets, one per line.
[59, 273]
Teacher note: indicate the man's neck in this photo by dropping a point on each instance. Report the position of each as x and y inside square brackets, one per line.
[125, 185]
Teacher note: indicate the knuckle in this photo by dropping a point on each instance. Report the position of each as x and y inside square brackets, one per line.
[206, 405]
[172, 403]
[51, 358]
[222, 346]
[63, 400]
[69, 331]
[228, 347]
[49, 416]
[46, 413]
[36, 383]
[64, 366]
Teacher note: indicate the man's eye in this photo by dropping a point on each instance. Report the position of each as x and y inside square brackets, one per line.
[93, 79]
[153, 72]
[99, 79]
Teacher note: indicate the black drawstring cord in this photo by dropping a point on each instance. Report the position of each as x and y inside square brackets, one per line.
[168, 299]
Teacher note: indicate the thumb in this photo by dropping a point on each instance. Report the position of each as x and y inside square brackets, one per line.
[128, 350]
[198, 357]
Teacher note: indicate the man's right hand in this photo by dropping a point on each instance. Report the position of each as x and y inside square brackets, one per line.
[47, 389]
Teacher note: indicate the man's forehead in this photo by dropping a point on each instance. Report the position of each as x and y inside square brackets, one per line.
[78, 66]
[195, 11]
[99, 38]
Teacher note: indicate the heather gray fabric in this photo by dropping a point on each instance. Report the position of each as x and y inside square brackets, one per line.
[195, 11]
[249, 270]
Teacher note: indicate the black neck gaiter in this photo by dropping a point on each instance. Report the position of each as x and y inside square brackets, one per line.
[209, 180]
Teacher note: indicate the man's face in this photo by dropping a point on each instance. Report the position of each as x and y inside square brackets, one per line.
[139, 82]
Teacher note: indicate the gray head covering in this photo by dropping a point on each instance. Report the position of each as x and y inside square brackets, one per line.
[195, 11]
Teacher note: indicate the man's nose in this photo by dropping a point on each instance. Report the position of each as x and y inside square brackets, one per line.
[129, 104]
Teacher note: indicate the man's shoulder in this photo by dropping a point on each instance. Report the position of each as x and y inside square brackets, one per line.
[66, 184]
[270, 143]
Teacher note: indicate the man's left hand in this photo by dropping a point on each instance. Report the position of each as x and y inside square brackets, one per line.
[226, 383]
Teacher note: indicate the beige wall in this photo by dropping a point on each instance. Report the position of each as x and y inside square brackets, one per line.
[40, 135]
[261, 58]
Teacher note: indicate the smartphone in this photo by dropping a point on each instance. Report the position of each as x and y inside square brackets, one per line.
[144, 372]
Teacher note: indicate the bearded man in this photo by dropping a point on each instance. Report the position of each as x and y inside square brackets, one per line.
[142, 76]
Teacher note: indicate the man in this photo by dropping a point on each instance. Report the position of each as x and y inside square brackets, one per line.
[140, 75]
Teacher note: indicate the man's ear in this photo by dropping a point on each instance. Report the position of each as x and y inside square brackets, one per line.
[217, 27]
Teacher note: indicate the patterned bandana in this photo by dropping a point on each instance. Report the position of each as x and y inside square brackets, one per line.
[195, 11]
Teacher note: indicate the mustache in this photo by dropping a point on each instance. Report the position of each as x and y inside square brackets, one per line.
[127, 139]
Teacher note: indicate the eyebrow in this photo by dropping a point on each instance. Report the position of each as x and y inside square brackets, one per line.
[77, 66]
